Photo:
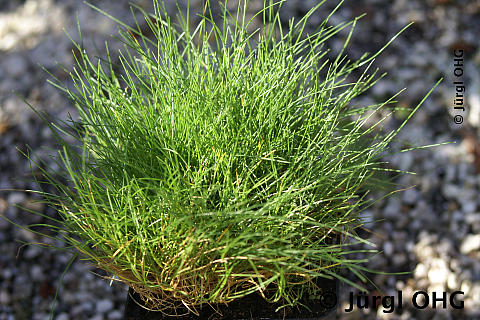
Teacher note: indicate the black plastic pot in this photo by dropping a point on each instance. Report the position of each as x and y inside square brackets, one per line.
[251, 307]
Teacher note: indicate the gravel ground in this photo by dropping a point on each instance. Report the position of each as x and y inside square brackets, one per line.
[431, 229]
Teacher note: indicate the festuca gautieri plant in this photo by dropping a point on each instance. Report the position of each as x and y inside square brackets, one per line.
[215, 161]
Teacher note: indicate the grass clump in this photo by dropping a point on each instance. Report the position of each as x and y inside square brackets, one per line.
[213, 162]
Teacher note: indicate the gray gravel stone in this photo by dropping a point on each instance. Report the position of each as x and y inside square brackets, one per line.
[4, 298]
[469, 206]
[16, 198]
[36, 273]
[115, 315]
[473, 219]
[4, 224]
[63, 316]
[410, 196]
[41, 316]
[399, 259]
[388, 248]
[32, 252]
[15, 65]
[104, 306]
[81, 309]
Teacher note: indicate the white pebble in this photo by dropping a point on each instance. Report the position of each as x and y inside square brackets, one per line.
[439, 272]
[470, 243]
[420, 271]
[466, 287]
[452, 282]
[475, 292]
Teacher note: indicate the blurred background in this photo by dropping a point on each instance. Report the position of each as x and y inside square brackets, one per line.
[431, 229]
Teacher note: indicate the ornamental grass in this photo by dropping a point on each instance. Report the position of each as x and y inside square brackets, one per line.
[212, 162]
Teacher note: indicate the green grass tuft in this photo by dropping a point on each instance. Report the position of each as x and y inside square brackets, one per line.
[212, 161]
